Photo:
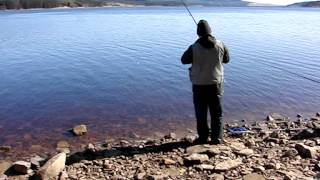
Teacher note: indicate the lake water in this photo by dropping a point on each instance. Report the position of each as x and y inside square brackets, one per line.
[118, 70]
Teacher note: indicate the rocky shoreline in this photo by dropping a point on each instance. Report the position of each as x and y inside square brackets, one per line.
[277, 148]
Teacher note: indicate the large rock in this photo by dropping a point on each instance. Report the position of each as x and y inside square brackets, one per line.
[80, 130]
[4, 166]
[228, 165]
[211, 150]
[253, 176]
[22, 167]
[167, 161]
[306, 151]
[196, 149]
[195, 159]
[53, 167]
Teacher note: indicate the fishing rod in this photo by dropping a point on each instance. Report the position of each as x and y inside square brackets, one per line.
[186, 6]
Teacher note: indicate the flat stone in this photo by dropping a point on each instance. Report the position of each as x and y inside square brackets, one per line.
[245, 152]
[166, 161]
[237, 146]
[195, 159]
[53, 167]
[306, 151]
[80, 130]
[204, 167]
[196, 149]
[4, 166]
[253, 176]
[22, 167]
[212, 151]
[228, 165]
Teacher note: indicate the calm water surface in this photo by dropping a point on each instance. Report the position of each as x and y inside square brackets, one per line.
[118, 70]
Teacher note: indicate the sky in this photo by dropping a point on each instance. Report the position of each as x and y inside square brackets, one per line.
[278, 2]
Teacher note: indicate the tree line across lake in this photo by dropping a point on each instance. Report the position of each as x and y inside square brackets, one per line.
[27, 4]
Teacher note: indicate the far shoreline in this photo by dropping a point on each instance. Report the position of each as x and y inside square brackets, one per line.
[147, 6]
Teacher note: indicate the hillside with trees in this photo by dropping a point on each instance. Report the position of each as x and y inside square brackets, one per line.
[27, 4]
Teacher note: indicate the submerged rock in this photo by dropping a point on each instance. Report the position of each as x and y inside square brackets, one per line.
[53, 167]
[80, 130]
[63, 146]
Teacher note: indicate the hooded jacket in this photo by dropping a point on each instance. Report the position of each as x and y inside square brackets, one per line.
[207, 56]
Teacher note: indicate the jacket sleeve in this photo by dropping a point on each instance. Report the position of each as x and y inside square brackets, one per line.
[226, 57]
[187, 57]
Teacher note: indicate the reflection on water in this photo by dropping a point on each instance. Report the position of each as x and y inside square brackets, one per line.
[119, 71]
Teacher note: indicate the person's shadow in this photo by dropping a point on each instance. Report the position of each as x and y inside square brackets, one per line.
[126, 151]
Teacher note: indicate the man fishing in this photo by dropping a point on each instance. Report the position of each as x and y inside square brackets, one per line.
[207, 56]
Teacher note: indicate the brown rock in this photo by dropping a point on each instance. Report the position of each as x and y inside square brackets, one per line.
[253, 176]
[53, 167]
[63, 146]
[196, 149]
[80, 130]
[168, 161]
[195, 159]
[22, 167]
[228, 165]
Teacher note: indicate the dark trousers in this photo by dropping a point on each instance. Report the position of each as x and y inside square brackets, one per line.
[208, 97]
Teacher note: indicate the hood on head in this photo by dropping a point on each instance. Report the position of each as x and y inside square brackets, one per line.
[203, 28]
